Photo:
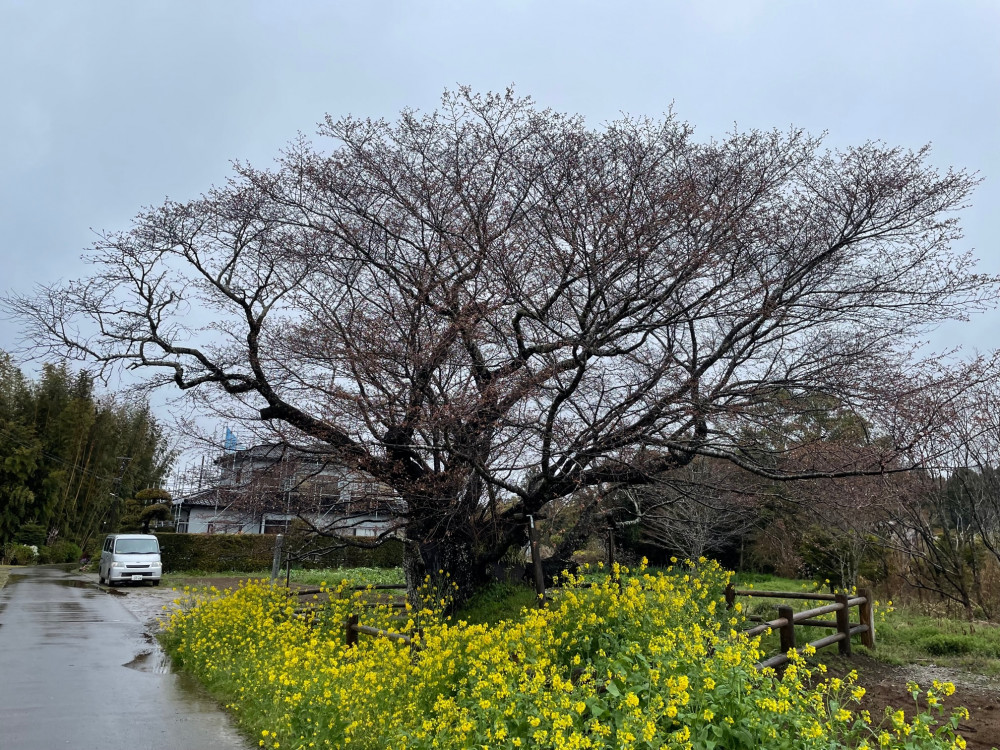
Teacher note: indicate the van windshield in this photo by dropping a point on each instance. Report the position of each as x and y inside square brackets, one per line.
[136, 547]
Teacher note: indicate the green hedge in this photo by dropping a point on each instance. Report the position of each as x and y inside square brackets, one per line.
[252, 552]
[61, 551]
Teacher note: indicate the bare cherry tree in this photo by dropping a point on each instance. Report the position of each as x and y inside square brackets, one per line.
[493, 306]
[699, 509]
[939, 556]
[973, 488]
[947, 524]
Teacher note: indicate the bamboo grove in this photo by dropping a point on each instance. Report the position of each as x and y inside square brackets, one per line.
[69, 454]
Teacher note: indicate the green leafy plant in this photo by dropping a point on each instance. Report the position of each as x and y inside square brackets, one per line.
[18, 554]
[626, 661]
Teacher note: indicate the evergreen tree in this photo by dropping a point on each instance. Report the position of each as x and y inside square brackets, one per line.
[67, 454]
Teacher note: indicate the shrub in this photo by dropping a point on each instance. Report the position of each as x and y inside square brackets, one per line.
[942, 644]
[157, 512]
[829, 556]
[18, 554]
[65, 551]
[61, 551]
[215, 553]
[653, 662]
[153, 495]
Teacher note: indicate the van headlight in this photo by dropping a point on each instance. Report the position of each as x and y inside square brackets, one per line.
[156, 565]
[117, 565]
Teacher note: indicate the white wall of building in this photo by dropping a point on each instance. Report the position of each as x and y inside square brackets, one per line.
[208, 520]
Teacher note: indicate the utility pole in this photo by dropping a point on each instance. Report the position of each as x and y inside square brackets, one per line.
[123, 462]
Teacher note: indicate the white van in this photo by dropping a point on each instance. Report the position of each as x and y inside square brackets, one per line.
[130, 557]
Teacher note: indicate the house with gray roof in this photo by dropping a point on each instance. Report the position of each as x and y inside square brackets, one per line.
[263, 489]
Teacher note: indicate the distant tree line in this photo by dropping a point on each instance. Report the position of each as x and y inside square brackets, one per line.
[70, 457]
[932, 533]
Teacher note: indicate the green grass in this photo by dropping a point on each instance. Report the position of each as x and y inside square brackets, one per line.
[768, 581]
[496, 602]
[909, 637]
[768, 607]
[4, 574]
[331, 576]
[903, 635]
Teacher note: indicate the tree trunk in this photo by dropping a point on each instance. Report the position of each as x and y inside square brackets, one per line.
[451, 568]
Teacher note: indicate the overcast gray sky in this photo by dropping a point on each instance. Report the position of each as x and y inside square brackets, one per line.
[110, 106]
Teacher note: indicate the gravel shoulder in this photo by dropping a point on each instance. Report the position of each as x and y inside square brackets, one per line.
[885, 686]
[151, 605]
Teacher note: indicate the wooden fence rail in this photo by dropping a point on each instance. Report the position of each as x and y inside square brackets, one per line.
[302, 609]
[353, 629]
[788, 619]
[373, 587]
[785, 623]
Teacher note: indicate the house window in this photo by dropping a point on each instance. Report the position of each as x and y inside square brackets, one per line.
[275, 526]
[328, 494]
[224, 528]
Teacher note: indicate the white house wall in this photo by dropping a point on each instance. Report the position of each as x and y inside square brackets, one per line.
[212, 521]
[207, 520]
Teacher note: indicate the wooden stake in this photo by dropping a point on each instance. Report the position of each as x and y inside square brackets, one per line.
[867, 617]
[351, 637]
[536, 561]
[786, 633]
[844, 625]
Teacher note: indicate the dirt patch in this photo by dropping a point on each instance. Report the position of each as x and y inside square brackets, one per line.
[885, 686]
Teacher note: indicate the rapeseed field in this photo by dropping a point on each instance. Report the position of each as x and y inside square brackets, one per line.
[631, 661]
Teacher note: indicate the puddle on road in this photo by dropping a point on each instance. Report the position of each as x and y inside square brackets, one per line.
[153, 662]
[75, 583]
[91, 589]
[59, 612]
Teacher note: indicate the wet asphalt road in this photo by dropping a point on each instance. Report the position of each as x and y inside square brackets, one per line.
[79, 670]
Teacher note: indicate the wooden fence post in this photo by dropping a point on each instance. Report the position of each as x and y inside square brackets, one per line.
[866, 614]
[844, 625]
[276, 561]
[786, 633]
[730, 595]
[351, 636]
[611, 548]
[536, 561]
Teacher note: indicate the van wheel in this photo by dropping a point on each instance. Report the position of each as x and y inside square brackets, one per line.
[156, 582]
